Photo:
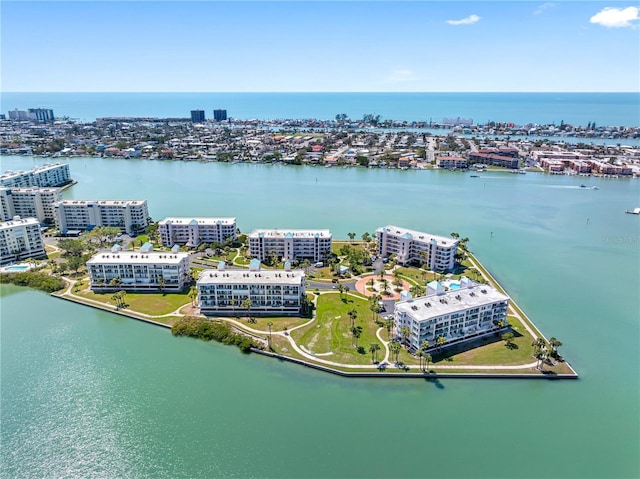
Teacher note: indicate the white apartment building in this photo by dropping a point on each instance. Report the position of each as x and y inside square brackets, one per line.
[270, 292]
[131, 216]
[193, 231]
[20, 239]
[456, 315]
[290, 245]
[44, 176]
[438, 252]
[29, 203]
[136, 271]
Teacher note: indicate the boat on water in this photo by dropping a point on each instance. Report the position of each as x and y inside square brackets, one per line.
[635, 211]
[475, 176]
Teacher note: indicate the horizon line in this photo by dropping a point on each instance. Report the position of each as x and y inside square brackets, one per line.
[330, 92]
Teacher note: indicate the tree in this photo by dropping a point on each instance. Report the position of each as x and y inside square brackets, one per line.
[405, 332]
[353, 314]
[395, 349]
[508, 339]
[374, 348]
[424, 346]
[246, 304]
[440, 340]
[389, 322]
[420, 356]
[356, 332]
[193, 294]
[455, 235]
[340, 289]
[162, 283]
[427, 360]
[366, 237]
[555, 344]
[269, 324]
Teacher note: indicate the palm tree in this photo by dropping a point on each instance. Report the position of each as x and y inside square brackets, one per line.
[440, 340]
[405, 332]
[351, 236]
[455, 235]
[395, 349]
[269, 324]
[555, 344]
[162, 283]
[193, 294]
[427, 360]
[353, 314]
[246, 304]
[341, 289]
[346, 290]
[356, 332]
[389, 325]
[385, 286]
[420, 356]
[373, 348]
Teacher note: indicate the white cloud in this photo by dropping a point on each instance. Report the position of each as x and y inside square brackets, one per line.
[612, 17]
[543, 7]
[464, 21]
[399, 76]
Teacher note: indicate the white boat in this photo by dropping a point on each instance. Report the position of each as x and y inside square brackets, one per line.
[635, 211]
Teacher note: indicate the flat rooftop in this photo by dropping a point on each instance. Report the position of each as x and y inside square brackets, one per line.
[134, 257]
[418, 235]
[200, 221]
[427, 307]
[283, 233]
[102, 202]
[19, 222]
[212, 276]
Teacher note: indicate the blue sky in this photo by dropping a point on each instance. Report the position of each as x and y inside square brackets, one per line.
[320, 46]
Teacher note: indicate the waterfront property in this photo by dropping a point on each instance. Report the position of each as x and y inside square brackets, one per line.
[271, 292]
[290, 245]
[471, 311]
[29, 203]
[193, 231]
[486, 157]
[137, 271]
[19, 239]
[451, 162]
[131, 216]
[44, 176]
[409, 246]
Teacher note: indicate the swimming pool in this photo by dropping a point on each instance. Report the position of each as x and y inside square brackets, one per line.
[17, 267]
[454, 286]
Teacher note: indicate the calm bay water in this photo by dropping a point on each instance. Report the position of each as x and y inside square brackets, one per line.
[86, 393]
[520, 108]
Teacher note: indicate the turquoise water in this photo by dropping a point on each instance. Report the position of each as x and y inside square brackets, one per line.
[17, 268]
[454, 286]
[87, 393]
[520, 108]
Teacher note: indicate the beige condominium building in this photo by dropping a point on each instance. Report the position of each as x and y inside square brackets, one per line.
[290, 245]
[19, 239]
[437, 252]
[191, 232]
[471, 310]
[131, 216]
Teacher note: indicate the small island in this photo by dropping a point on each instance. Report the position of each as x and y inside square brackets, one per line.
[394, 303]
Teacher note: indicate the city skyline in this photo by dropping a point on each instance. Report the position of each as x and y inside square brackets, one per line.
[320, 46]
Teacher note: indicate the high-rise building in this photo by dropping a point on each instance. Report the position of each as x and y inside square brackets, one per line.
[20, 115]
[19, 239]
[41, 114]
[220, 115]
[197, 116]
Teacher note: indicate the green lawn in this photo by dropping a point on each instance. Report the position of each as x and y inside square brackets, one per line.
[330, 332]
[355, 244]
[148, 303]
[280, 323]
